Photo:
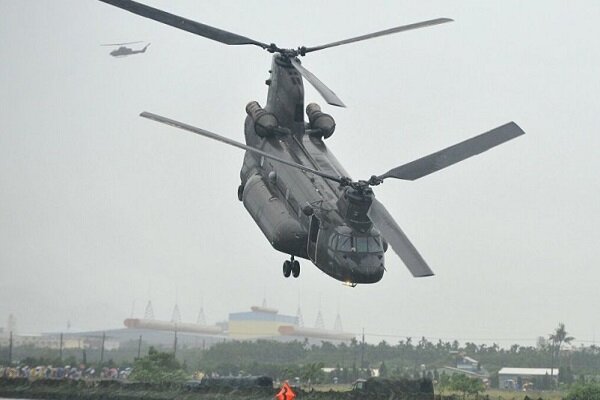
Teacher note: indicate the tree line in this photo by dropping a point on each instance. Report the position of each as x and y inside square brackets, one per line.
[349, 361]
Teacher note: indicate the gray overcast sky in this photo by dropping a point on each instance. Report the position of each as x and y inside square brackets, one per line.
[100, 208]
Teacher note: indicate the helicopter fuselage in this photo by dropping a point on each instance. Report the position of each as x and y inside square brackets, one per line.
[300, 213]
[126, 51]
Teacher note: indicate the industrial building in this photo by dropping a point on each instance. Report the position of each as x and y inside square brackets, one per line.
[518, 378]
[260, 322]
[267, 323]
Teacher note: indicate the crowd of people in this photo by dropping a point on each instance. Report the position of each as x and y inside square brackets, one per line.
[66, 372]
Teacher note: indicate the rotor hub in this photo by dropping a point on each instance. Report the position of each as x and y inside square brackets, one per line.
[361, 186]
[287, 53]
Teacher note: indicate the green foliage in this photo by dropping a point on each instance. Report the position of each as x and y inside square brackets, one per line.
[35, 361]
[565, 375]
[261, 351]
[158, 367]
[465, 385]
[402, 359]
[383, 372]
[313, 373]
[557, 338]
[560, 336]
[590, 391]
[444, 382]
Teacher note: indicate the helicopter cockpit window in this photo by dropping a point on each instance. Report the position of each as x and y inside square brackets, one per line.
[374, 245]
[333, 241]
[344, 243]
[361, 244]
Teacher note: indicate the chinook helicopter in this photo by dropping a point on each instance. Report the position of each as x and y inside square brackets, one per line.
[294, 188]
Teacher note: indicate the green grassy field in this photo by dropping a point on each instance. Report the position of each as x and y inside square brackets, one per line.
[494, 394]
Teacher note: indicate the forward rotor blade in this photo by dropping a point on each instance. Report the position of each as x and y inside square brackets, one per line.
[381, 33]
[327, 93]
[453, 154]
[397, 239]
[183, 23]
[234, 143]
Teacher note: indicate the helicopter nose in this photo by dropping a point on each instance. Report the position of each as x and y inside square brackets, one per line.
[365, 268]
[367, 274]
[371, 273]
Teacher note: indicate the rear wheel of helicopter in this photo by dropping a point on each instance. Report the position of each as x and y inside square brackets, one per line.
[295, 268]
[287, 268]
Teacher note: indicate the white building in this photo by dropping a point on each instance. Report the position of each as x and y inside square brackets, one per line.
[516, 378]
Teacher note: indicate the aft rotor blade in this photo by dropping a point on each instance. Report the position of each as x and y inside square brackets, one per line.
[381, 33]
[327, 93]
[453, 154]
[396, 238]
[234, 143]
[183, 23]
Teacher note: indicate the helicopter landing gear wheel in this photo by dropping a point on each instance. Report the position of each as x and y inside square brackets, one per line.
[295, 268]
[287, 268]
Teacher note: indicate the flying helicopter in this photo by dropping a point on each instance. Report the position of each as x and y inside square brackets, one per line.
[299, 195]
[123, 51]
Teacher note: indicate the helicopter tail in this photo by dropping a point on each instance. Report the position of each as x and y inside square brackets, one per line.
[145, 47]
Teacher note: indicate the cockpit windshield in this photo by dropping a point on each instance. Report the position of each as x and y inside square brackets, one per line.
[359, 244]
[344, 243]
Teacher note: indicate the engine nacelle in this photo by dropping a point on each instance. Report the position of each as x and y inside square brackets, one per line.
[320, 123]
[265, 122]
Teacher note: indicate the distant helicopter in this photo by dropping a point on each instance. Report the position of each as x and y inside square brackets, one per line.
[296, 191]
[123, 51]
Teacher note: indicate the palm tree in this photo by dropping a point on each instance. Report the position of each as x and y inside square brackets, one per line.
[557, 339]
[311, 372]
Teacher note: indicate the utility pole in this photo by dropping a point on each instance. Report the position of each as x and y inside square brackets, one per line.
[139, 346]
[553, 350]
[10, 348]
[102, 348]
[354, 355]
[60, 347]
[362, 350]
